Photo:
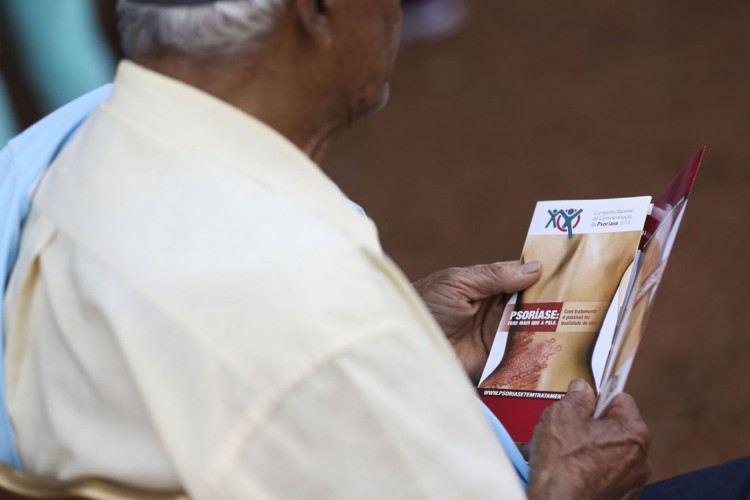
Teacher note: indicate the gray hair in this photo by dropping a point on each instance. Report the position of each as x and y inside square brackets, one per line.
[214, 30]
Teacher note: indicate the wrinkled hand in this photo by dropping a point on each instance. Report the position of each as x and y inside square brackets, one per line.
[574, 456]
[468, 302]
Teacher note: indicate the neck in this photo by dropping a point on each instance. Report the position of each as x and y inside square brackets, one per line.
[274, 94]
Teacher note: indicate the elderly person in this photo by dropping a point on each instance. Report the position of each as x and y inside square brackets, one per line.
[197, 307]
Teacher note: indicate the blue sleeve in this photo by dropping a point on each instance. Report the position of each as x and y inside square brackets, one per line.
[522, 467]
[22, 161]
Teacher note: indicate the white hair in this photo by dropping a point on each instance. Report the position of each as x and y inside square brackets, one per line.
[214, 30]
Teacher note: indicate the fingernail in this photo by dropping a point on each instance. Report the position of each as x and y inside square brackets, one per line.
[530, 267]
[578, 385]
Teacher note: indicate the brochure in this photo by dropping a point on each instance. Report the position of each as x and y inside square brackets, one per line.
[602, 261]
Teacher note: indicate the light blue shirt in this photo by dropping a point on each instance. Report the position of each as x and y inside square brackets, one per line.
[22, 163]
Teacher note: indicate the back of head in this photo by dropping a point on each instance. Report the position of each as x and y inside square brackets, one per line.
[308, 69]
[204, 30]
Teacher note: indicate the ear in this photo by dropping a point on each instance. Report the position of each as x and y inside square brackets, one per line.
[314, 17]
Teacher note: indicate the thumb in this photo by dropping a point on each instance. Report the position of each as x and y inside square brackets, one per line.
[581, 396]
[502, 277]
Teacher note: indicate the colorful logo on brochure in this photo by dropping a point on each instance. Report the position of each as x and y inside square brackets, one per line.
[564, 220]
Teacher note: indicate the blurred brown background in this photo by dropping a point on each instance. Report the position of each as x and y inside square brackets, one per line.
[543, 100]
[538, 100]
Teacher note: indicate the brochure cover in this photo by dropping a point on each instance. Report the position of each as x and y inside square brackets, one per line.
[602, 261]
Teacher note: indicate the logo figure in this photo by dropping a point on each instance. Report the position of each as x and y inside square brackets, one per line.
[564, 220]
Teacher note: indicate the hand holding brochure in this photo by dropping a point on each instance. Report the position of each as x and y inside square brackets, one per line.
[602, 261]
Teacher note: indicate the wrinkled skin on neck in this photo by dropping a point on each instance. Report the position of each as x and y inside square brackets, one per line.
[325, 65]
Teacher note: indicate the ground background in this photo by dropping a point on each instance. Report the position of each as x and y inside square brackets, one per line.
[580, 99]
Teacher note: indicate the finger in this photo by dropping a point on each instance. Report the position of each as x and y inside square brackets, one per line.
[501, 277]
[580, 396]
[625, 411]
[622, 407]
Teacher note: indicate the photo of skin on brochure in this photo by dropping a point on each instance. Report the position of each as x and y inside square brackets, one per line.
[583, 273]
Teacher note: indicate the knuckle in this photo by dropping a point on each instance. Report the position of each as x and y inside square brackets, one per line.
[639, 431]
[450, 272]
[643, 433]
[626, 399]
[577, 403]
[454, 270]
[547, 415]
[504, 271]
[550, 416]
[504, 266]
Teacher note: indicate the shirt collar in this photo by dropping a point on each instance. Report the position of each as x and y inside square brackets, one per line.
[210, 127]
